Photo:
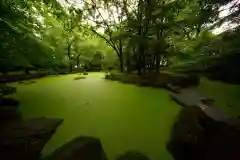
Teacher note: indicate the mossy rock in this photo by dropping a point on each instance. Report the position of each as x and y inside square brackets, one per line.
[9, 114]
[80, 77]
[7, 90]
[25, 139]
[85, 73]
[8, 102]
[133, 155]
[82, 148]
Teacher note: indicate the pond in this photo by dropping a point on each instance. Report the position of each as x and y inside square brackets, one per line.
[123, 116]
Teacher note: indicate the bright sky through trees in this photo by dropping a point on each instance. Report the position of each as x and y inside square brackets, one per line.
[225, 11]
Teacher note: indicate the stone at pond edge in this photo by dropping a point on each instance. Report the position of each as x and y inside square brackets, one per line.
[196, 136]
[85, 73]
[9, 114]
[6, 90]
[133, 155]
[8, 102]
[78, 78]
[188, 98]
[172, 88]
[25, 139]
[81, 148]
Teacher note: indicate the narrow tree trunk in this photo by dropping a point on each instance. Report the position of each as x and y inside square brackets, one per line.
[69, 57]
[158, 62]
[27, 71]
[128, 61]
[139, 63]
[121, 57]
[78, 60]
[144, 63]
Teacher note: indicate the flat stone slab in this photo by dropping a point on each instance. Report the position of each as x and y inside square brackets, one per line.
[172, 88]
[219, 116]
[190, 98]
[187, 98]
[216, 115]
[25, 139]
[81, 148]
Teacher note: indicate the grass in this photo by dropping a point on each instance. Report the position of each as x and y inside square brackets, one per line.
[226, 96]
[124, 117]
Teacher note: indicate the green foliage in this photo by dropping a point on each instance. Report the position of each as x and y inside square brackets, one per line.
[143, 35]
[36, 34]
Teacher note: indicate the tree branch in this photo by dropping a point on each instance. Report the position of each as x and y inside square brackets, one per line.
[108, 41]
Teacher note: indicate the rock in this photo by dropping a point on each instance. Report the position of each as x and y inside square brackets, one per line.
[203, 132]
[8, 102]
[80, 77]
[25, 139]
[29, 82]
[213, 118]
[207, 101]
[185, 134]
[133, 155]
[81, 148]
[6, 90]
[172, 88]
[9, 114]
[107, 76]
[187, 98]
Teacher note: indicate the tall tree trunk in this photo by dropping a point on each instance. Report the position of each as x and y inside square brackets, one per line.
[69, 57]
[157, 61]
[139, 52]
[121, 56]
[27, 71]
[78, 60]
[128, 61]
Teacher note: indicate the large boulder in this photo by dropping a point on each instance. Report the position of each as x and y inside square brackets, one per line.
[133, 155]
[9, 111]
[8, 102]
[25, 139]
[9, 114]
[185, 135]
[81, 148]
[203, 132]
